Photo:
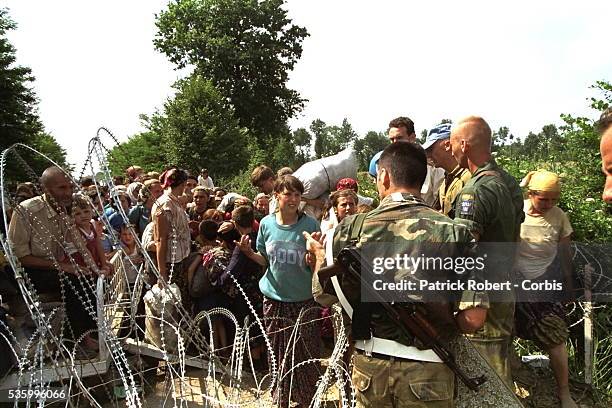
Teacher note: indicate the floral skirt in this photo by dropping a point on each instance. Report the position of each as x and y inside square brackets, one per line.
[291, 347]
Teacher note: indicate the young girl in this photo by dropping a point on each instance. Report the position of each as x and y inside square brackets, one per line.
[132, 261]
[83, 246]
[544, 254]
[82, 214]
[132, 258]
[286, 287]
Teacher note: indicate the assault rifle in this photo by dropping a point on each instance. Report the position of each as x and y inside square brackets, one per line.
[411, 322]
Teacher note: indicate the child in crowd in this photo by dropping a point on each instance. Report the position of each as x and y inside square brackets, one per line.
[132, 259]
[105, 239]
[205, 270]
[261, 204]
[86, 233]
[207, 235]
[84, 247]
[214, 215]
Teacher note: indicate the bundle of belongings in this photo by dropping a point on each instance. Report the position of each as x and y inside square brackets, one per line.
[160, 304]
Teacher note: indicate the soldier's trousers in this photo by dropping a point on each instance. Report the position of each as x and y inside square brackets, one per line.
[397, 383]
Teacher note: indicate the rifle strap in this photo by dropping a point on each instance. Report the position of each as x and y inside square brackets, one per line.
[329, 257]
[356, 227]
[354, 234]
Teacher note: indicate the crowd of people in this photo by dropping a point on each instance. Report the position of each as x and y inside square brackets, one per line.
[260, 257]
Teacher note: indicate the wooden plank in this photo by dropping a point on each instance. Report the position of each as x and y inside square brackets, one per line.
[51, 374]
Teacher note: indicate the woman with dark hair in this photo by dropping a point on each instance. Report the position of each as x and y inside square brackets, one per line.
[341, 203]
[286, 286]
[171, 232]
[140, 214]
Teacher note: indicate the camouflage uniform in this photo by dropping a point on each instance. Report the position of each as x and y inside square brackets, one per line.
[490, 205]
[402, 224]
[450, 188]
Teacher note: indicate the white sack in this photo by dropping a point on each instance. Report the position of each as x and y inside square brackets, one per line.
[227, 201]
[322, 175]
[155, 300]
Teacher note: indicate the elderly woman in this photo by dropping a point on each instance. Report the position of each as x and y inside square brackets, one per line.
[544, 254]
[286, 287]
[171, 232]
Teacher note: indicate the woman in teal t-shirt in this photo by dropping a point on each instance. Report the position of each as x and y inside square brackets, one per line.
[286, 287]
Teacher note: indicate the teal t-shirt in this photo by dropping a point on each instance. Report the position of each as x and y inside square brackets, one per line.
[287, 278]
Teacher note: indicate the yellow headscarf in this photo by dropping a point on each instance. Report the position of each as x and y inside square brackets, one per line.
[541, 180]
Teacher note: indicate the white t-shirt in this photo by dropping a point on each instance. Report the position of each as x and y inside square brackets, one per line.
[540, 236]
[205, 182]
[431, 185]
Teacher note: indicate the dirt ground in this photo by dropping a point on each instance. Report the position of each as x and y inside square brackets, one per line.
[535, 386]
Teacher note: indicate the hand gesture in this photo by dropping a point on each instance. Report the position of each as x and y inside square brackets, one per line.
[314, 242]
[245, 245]
[314, 246]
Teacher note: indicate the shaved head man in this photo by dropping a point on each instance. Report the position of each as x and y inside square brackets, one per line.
[37, 235]
[471, 142]
[58, 185]
[491, 206]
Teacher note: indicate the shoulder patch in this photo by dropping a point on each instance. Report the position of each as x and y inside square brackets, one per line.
[466, 206]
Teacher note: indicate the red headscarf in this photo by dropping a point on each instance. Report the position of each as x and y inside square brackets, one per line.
[347, 184]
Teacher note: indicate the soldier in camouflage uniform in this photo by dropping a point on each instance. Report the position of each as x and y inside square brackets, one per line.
[402, 224]
[490, 205]
[438, 149]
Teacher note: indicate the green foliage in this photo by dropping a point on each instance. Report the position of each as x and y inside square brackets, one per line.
[572, 151]
[302, 139]
[246, 48]
[367, 186]
[330, 140]
[320, 131]
[46, 143]
[144, 150]
[341, 136]
[198, 129]
[19, 121]
[368, 146]
[18, 118]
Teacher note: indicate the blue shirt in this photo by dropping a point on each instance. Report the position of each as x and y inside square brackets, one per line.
[288, 278]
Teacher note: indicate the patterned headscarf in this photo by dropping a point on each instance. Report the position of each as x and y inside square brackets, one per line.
[347, 184]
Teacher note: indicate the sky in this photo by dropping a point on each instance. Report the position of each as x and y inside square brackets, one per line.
[518, 64]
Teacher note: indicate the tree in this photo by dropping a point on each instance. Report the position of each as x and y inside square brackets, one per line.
[366, 148]
[46, 143]
[302, 139]
[19, 121]
[142, 149]
[246, 48]
[330, 140]
[321, 133]
[198, 129]
[340, 137]
[531, 145]
[500, 138]
[18, 118]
